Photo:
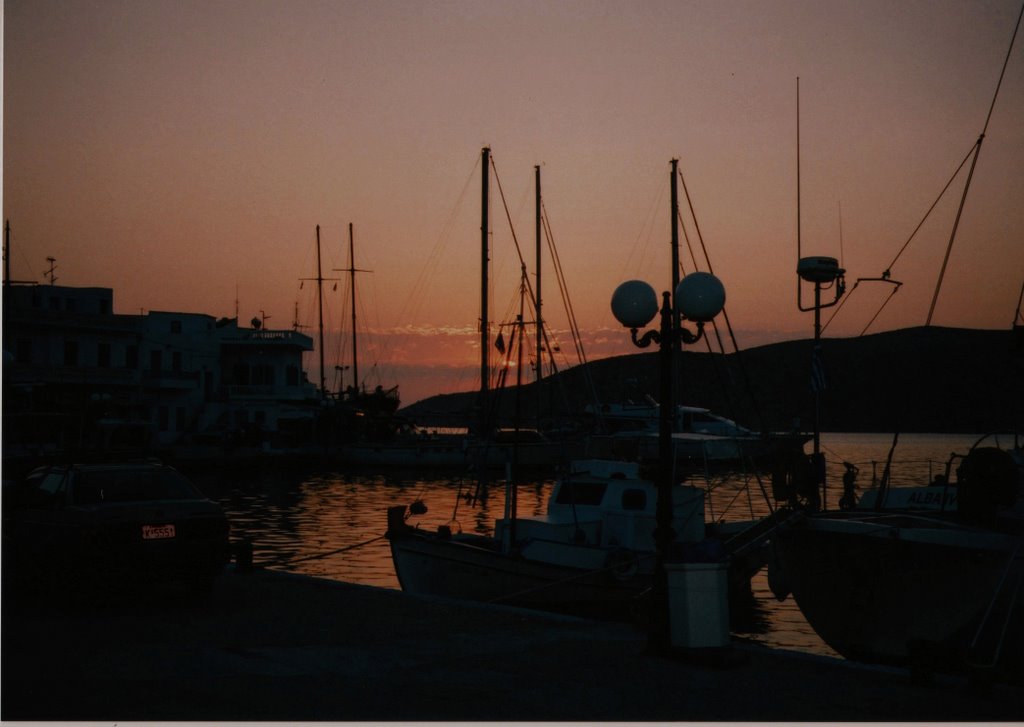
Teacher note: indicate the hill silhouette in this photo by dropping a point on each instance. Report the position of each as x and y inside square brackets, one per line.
[925, 379]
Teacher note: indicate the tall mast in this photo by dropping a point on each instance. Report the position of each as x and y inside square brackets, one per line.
[676, 360]
[485, 169]
[352, 273]
[675, 231]
[320, 303]
[7, 253]
[540, 320]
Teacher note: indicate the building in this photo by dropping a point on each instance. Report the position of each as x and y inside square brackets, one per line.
[79, 377]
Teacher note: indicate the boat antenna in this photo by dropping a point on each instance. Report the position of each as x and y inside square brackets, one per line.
[970, 174]
[823, 273]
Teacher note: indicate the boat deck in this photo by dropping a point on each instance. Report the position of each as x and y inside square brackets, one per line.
[271, 646]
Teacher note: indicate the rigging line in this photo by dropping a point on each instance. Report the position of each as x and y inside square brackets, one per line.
[508, 214]
[696, 225]
[515, 238]
[725, 314]
[835, 311]
[1020, 299]
[970, 174]
[563, 289]
[642, 243]
[574, 329]
[433, 259]
[689, 246]
[879, 312]
[930, 209]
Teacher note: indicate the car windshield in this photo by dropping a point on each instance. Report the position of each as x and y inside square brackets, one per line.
[132, 485]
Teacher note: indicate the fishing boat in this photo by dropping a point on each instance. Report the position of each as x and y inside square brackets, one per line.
[927, 576]
[592, 553]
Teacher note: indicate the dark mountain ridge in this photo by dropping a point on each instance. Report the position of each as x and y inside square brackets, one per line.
[924, 379]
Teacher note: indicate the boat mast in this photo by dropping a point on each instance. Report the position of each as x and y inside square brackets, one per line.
[7, 253]
[485, 171]
[320, 304]
[540, 322]
[677, 360]
[352, 284]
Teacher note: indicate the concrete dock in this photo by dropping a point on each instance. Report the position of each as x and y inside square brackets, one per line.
[271, 646]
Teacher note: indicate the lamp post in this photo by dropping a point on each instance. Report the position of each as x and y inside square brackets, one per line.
[699, 297]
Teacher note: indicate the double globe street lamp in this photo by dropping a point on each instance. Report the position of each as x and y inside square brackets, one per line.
[699, 297]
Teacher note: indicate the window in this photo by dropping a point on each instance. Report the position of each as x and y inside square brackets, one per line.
[262, 375]
[175, 326]
[104, 306]
[634, 500]
[72, 305]
[292, 376]
[163, 418]
[580, 493]
[54, 302]
[70, 353]
[131, 357]
[240, 374]
[179, 419]
[176, 361]
[155, 360]
[103, 355]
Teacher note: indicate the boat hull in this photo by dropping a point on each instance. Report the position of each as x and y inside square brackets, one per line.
[904, 592]
[432, 565]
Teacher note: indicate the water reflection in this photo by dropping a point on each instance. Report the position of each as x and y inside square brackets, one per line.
[331, 523]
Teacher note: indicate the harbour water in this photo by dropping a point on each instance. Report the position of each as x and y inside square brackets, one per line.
[330, 523]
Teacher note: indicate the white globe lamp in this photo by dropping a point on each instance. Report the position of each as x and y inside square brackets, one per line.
[700, 297]
[634, 304]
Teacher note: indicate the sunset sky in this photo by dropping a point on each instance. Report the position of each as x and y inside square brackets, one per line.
[183, 152]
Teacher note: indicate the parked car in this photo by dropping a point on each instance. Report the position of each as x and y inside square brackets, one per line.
[97, 525]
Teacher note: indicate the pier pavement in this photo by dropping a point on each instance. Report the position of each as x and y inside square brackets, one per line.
[272, 646]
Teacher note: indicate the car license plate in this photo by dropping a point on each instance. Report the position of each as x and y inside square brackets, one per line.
[157, 532]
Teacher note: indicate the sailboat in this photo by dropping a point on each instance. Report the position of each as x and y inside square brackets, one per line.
[930, 577]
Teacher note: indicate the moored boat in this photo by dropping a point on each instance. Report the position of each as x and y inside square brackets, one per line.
[931, 577]
[592, 553]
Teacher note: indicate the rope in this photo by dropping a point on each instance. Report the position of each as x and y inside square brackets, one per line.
[316, 556]
[970, 174]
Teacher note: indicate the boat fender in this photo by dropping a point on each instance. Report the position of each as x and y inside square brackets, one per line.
[987, 480]
[623, 564]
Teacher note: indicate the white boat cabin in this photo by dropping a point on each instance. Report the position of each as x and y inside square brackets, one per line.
[607, 504]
